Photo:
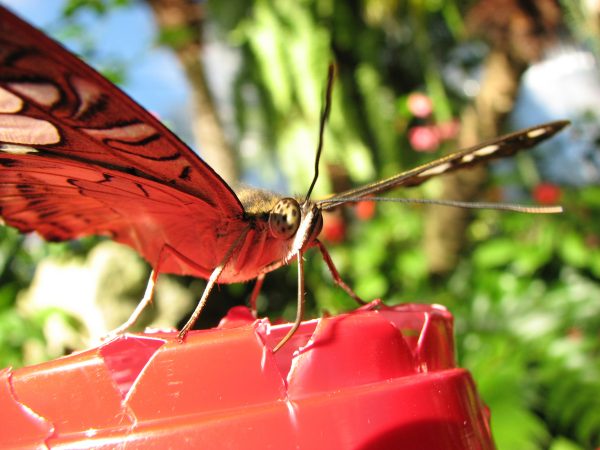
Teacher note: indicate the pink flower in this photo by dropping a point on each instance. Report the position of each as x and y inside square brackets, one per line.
[424, 138]
[449, 129]
[419, 104]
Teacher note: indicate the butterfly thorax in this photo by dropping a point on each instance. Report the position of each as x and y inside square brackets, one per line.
[286, 216]
[256, 202]
[292, 221]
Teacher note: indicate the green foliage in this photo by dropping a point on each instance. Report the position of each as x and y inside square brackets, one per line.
[176, 37]
[531, 316]
[99, 7]
[74, 32]
[22, 340]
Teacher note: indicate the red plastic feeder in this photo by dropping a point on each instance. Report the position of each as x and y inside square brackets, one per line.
[377, 378]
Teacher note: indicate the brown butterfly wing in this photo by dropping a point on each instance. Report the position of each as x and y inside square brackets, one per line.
[79, 157]
[501, 147]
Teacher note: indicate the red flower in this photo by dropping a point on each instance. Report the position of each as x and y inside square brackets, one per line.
[334, 228]
[365, 210]
[546, 193]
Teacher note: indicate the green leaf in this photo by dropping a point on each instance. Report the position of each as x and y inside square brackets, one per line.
[379, 111]
[495, 253]
[177, 36]
[265, 35]
[372, 285]
[562, 443]
[574, 250]
[74, 6]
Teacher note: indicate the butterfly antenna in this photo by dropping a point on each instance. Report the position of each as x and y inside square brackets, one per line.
[323, 121]
[530, 209]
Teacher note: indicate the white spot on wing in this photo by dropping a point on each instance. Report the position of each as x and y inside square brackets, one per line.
[9, 102]
[25, 130]
[536, 133]
[468, 158]
[14, 149]
[435, 170]
[487, 150]
[129, 133]
[43, 93]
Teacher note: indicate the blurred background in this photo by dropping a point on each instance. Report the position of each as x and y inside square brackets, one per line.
[242, 83]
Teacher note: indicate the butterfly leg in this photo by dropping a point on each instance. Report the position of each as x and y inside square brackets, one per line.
[210, 283]
[148, 294]
[300, 308]
[145, 301]
[260, 278]
[255, 291]
[336, 275]
[212, 280]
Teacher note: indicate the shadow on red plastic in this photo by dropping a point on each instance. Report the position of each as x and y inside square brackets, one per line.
[377, 378]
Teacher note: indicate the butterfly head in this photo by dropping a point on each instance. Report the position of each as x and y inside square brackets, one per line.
[302, 221]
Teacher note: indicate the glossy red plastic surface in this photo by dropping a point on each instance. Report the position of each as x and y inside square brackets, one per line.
[377, 378]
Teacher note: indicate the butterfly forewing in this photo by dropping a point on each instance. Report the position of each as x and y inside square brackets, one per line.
[51, 101]
[500, 147]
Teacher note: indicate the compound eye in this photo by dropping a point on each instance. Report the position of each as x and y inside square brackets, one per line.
[284, 218]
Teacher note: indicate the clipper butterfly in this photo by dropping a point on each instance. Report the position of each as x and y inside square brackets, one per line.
[79, 157]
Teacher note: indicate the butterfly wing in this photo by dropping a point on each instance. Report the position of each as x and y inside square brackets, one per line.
[54, 102]
[501, 147]
[79, 157]
[63, 199]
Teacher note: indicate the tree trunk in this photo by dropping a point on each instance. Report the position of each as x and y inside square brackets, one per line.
[181, 21]
[445, 228]
[518, 32]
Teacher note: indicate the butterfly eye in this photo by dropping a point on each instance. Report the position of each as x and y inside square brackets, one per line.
[284, 218]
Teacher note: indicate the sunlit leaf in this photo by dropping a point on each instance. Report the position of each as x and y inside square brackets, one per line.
[573, 250]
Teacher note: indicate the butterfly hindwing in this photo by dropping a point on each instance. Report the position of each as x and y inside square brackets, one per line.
[65, 199]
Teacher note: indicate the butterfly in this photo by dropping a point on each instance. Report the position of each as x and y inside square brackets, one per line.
[78, 157]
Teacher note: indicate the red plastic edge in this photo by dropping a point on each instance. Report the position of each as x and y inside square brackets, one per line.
[374, 378]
